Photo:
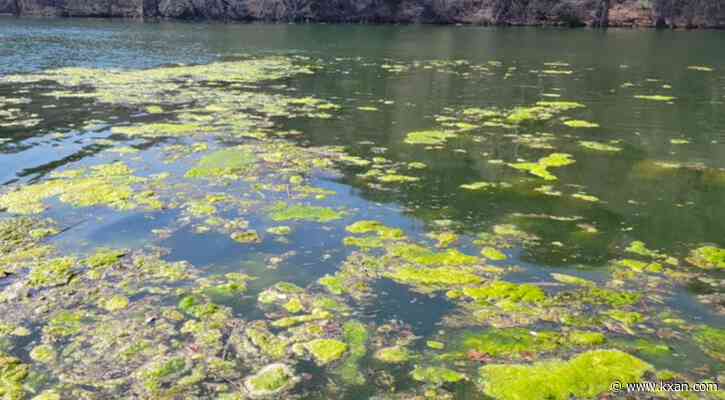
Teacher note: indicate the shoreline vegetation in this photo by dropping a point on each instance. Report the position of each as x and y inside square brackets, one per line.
[676, 14]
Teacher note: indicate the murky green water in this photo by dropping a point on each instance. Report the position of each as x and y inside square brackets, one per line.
[546, 156]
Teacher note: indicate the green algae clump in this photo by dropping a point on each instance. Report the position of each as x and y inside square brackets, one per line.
[597, 146]
[393, 355]
[356, 336]
[420, 255]
[712, 342]
[428, 137]
[612, 297]
[43, 353]
[54, 272]
[281, 230]
[63, 324]
[161, 372]
[104, 258]
[270, 380]
[541, 167]
[325, 351]
[232, 162]
[511, 342]
[700, 68]
[578, 123]
[110, 185]
[560, 105]
[500, 290]
[571, 279]
[433, 278]
[436, 375]
[158, 129]
[12, 375]
[333, 283]
[655, 97]
[282, 212]
[708, 257]
[581, 338]
[248, 236]
[493, 254]
[378, 228]
[397, 178]
[115, 303]
[268, 343]
[585, 376]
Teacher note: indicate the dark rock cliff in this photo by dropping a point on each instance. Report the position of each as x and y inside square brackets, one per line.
[661, 13]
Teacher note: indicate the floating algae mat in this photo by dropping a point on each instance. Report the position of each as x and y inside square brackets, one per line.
[278, 224]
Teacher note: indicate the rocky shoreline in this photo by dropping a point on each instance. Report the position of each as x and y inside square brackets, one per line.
[596, 13]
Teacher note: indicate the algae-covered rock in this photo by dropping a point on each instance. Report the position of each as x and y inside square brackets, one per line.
[325, 351]
[585, 376]
[270, 381]
[393, 355]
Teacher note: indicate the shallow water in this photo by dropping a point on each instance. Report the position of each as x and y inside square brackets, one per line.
[663, 186]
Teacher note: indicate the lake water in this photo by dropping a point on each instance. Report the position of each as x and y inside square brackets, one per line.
[561, 193]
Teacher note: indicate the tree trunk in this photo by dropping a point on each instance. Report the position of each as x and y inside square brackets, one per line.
[601, 17]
